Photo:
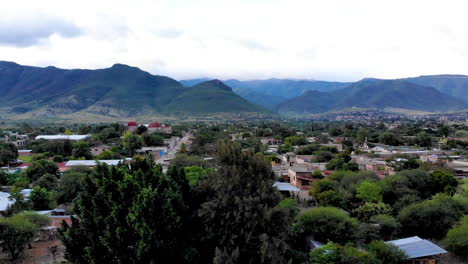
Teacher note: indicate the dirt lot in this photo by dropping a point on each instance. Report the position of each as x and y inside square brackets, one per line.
[38, 254]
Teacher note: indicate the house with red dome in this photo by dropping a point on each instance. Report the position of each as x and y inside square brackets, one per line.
[158, 127]
[131, 126]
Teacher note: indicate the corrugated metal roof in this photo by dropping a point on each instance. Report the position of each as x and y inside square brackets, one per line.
[69, 137]
[5, 201]
[90, 163]
[285, 186]
[316, 244]
[416, 247]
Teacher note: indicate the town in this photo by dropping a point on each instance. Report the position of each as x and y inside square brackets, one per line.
[373, 192]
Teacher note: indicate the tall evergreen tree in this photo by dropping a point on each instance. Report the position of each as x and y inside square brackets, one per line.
[241, 216]
[128, 214]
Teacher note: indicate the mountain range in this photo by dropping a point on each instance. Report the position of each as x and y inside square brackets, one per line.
[119, 91]
[123, 91]
[435, 93]
[374, 94]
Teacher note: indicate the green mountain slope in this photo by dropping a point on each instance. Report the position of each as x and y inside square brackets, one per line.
[374, 93]
[211, 96]
[453, 85]
[119, 91]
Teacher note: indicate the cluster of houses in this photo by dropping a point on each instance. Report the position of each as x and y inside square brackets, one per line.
[302, 170]
[152, 127]
[15, 138]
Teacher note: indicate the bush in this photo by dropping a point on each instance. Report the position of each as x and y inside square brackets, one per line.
[388, 226]
[457, 238]
[368, 210]
[291, 206]
[15, 233]
[327, 224]
[387, 253]
[336, 254]
[431, 218]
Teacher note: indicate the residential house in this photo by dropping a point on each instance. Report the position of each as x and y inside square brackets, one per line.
[459, 167]
[289, 158]
[301, 159]
[24, 152]
[158, 127]
[339, 147]
[420, 251]
[131, 126]
[271, 141]
[16, 139]
[301, 176]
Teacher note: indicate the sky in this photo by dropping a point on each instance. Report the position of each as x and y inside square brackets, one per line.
[335, 40]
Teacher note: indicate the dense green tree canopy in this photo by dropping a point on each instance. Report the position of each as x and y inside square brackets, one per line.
[8, 153]
[137, 215]
[431, 218]
[15, 233]
[327, 224]
[457, 238]
[41, 167]
[241, 212]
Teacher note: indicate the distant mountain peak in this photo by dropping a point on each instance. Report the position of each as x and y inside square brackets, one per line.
[121, 66]
[216, 83]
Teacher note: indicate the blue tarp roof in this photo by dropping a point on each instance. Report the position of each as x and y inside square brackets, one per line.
[285, 186]
[416, 247]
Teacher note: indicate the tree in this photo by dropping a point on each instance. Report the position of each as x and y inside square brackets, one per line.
[15, 233]
[326, 193]
[138, 215]
[71, 184]
[369, 192]
[389, 138]
[194, 174]
[457, 238]
[444, 182]
[388, 226]
[336, 254]
[183, 148]
[241, 212]
[423, 139]
[295, 141]
[370, 209]
[37, 219]
[41, 167]
[185, 160]
[8, 153]
[132, 142]
[141, 129]
[431, 218]
[404, 164]
[153, 139]
[387, 253]
[81, 150]
[7, 178]
[327, 254]
[291, 206]
[361, 135]
[327, 224]
[342, 162]
[47, 181]
[40, 198]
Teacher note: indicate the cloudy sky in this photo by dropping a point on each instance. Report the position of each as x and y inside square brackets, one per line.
[342, 40]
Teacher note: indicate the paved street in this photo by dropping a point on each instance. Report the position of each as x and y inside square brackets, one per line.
[171, 152]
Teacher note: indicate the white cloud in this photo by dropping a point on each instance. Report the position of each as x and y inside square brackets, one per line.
[320, 39]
